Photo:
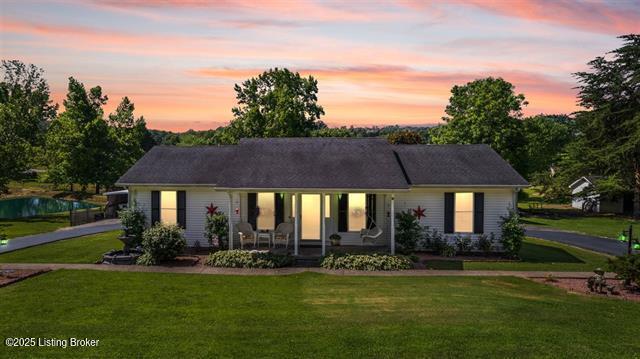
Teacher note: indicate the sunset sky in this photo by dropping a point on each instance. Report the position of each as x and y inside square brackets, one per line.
[377, 63]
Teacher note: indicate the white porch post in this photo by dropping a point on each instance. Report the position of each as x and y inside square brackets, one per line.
[297, 225]
[393, 225]
[230, 213]
[322, 224]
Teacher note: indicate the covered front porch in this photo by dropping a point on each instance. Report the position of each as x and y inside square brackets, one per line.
[301, 223]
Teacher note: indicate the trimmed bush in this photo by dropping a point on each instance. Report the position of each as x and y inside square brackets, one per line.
[161, 243]
[133, 221]
[485, 243]
[408, 232]
[238, 258]
[512, 234]
[626, 268]
[368, 262]
[217, 227]
[463, 243]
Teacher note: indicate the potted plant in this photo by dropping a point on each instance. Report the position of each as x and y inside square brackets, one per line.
[335, 239]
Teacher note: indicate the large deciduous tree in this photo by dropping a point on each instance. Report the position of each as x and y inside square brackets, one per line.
[277, 103]
[486, 111]
[25, 111]
[129, 135]
[608, 140]
[83, 147]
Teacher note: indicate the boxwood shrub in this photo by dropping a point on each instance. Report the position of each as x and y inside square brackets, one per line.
[161, 243]
[238, 258]
[368, 262]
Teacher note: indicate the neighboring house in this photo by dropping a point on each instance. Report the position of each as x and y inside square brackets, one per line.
[594, 202]
[326, 186]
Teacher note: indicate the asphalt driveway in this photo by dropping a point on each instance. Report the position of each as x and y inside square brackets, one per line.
[597, 244]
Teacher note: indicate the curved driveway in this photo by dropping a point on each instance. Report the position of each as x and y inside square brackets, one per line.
[598, 244]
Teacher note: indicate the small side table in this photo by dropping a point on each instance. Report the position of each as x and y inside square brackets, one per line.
[264, 235]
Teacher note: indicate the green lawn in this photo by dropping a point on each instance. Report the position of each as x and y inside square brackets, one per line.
[312, 315]
[536, 255]
[87, 249]
[603, 226]
[33, 225]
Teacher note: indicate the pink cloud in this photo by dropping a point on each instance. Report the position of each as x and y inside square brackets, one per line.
[612, 18]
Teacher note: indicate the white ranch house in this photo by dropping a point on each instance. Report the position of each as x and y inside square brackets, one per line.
[322, 186]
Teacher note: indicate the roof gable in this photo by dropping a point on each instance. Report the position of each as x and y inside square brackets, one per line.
[456, 165]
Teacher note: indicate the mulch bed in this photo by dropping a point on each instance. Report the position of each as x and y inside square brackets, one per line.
[579, 286]
[10, 276]
[183, 261]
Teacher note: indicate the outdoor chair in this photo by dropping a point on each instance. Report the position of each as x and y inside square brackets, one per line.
[247, 234]
[370, 235]
[282, 234]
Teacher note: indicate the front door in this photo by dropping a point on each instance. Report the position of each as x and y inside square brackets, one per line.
[310, 217]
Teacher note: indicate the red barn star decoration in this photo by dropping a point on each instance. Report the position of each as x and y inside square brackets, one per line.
[419, 212]
[211, 209]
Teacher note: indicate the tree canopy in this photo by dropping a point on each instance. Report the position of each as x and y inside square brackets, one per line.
[277, 103]
[25, 111]
[608, 130]
[486, 111]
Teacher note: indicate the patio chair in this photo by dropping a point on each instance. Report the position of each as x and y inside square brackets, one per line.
[247, 234]
[370, 235]
[282, 234]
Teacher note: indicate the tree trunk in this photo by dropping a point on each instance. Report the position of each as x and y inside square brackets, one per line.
[97, 188]
[71, 187]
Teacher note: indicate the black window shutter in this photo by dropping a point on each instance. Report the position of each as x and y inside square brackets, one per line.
[371, 210]
[182, 209]
[279, 204]
[155, 207]
[478, 212]
[449, 211]
[343, 209]
[252, 213]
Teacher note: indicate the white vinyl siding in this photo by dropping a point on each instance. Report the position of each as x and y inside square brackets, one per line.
[497, 203]
[197, 200]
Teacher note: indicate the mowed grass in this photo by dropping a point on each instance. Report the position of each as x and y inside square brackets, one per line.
[312, 315]
[86, 249]
[602, 226]
[33, 225]
[535, 255]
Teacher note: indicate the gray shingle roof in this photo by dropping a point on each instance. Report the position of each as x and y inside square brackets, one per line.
[349, 163]
[332, 163]
[450, 165]
[180, 165]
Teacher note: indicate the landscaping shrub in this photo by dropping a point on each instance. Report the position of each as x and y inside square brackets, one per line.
[485, 243]
[408, 232]
[463, 243]
[217, 227]
[160, 243]
[238, 258]
[512, 234]
[447, 250]
[368, 262]
[433, 240]
[626, 268]
[134, 222]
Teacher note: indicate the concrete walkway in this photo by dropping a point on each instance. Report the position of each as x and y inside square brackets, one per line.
[202, 269]
[62, 233]
[597, 244]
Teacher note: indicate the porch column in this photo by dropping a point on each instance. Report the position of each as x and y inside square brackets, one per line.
[322, 224]
[393, 225]
[230, 213]
[297, 224]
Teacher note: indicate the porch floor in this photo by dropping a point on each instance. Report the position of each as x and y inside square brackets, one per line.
[316, 251]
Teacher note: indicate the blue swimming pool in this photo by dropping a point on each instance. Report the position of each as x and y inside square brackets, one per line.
[37, 206]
